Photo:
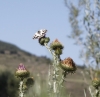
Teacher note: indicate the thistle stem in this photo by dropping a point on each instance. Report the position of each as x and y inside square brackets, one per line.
[21, 91]
[63, 77]
[55, 70]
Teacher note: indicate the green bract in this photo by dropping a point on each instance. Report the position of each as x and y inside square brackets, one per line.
[44, 40]
[56, 44]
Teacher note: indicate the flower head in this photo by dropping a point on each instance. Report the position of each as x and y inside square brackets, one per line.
[56, 44]
[22, 72]
[96, 82]
[68, 65]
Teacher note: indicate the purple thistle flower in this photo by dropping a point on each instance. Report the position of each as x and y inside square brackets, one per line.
[21, 67]
[22, 72]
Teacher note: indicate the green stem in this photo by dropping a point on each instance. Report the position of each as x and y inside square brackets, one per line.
[21, 91]
[55, 70]
[63, 77]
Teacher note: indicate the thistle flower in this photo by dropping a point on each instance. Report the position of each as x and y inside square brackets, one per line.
[22, 72]
[68, 65]
[56, 44]
[96, 82]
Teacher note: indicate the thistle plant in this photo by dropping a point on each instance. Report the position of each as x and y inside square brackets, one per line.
[60, 67]
[25, 80]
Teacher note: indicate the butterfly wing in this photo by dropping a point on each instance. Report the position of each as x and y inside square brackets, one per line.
[40, 33]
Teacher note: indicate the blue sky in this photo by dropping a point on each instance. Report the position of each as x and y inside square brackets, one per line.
[20, 19]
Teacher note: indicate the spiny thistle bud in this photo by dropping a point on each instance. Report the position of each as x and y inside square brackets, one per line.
[68, 65]
[96, 82]
[56, 44]
[22, 72]
[29, 81]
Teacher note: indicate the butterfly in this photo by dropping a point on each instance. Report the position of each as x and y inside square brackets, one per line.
[39, 34]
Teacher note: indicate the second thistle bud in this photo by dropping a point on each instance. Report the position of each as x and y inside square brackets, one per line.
[68, 65]
[22, 72]
[56, 44]
[96, 82]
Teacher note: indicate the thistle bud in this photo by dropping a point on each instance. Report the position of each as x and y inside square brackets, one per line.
[96, 82]
[42, 41]
[56, 44]
[68, 65]
[30, 81]
[22, 72]
[47, 39]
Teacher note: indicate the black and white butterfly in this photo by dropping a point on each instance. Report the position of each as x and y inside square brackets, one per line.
[39, 34]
